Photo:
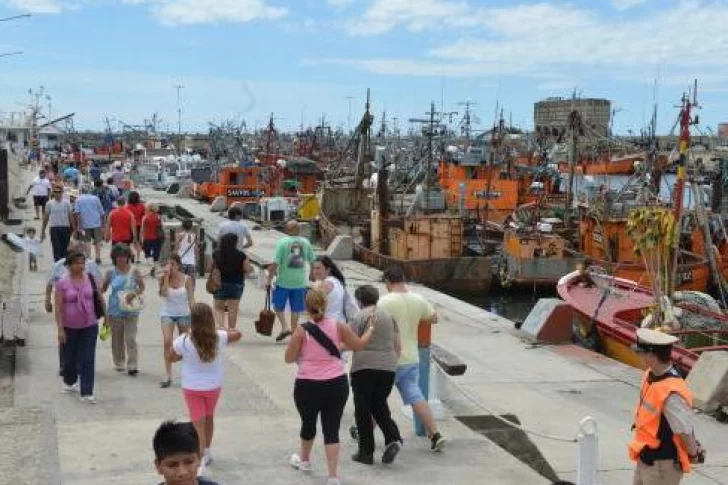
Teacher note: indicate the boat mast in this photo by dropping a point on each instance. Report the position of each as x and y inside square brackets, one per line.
[496, 137]
[683, 146]
[575, 127]
[363, 140]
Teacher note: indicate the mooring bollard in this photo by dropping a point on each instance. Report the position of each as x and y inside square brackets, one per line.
[424, 339]
[586, 471]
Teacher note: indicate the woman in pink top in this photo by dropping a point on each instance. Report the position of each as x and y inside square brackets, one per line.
[77, 326]
[321, 383]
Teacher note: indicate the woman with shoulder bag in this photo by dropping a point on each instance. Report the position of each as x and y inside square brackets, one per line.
[321, 387]
[339, 304]
[77, 321]
[232, 265]
[126, 284]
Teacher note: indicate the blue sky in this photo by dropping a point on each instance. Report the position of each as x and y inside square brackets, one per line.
[301, 59]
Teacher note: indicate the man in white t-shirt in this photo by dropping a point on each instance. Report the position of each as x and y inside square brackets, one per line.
[41, 189]
[235, 226]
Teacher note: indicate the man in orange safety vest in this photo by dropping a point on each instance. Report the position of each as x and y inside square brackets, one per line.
[663, 444]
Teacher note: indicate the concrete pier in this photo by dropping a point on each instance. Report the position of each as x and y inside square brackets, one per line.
[549, 389]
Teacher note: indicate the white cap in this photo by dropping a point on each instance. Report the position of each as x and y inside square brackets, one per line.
[647, 336]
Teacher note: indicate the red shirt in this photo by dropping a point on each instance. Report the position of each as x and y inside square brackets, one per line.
[121, 222]
[150, 226]
[138, 211]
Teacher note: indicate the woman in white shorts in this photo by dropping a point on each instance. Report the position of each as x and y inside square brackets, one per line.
[178, 294]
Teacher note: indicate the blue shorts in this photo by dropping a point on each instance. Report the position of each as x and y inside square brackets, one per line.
[229, 291]
[185, 320]
[295, 297]
[407, 380]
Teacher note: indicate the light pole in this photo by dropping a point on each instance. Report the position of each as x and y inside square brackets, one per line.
[179, 87]
[348, 118]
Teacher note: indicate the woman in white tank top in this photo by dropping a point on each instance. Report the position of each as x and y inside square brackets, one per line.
[186, 246]
[329, 278]
[178, 294]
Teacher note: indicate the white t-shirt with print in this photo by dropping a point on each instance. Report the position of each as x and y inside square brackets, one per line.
[41, 187]
[198, 375]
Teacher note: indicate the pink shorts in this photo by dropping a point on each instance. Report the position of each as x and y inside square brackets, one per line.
[201, 404]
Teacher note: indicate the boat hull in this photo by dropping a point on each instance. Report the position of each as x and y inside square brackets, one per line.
[693, 276]
[466, 274]
[607, 319]
[461, 275]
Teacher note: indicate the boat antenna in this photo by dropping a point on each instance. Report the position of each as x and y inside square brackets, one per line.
[686, 121]
[433, 120]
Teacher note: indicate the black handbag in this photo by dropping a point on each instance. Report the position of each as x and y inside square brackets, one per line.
[99, 308]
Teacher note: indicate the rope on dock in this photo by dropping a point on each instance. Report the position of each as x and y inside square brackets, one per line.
[526, 430]
[496, 415]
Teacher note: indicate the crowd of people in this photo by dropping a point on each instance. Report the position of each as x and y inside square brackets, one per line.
[94, 300]
[375, 336]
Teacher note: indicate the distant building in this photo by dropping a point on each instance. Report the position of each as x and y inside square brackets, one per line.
[723, 130]
[551, 116]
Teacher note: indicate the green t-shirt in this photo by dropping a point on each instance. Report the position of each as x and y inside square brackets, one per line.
[407, 309]
[292, 253]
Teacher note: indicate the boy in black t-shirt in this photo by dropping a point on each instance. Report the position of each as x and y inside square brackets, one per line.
[177, 454]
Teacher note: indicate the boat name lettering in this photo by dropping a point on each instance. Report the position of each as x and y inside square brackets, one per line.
[685, 276]
[237, 192]
[483, 194]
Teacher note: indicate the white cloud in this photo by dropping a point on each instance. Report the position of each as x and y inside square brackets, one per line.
[415, 15]
[410, 67]
[37, 6]
[189, 12]
[340, 3]
[687, 38]
[627, 4]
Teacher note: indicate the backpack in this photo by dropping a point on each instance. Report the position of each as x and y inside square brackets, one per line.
[104, 195]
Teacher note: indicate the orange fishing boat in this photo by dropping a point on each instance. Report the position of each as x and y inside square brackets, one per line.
[605, 165]
[606, 243]
[252, 182]
[536, 246]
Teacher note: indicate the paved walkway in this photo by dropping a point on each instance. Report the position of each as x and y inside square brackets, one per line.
[549, 389]
[257, 425]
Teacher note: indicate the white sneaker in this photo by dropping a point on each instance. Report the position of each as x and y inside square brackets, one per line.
[72, 388]
[90, 399]
[207, 459]
[298, 464]
[333, 481]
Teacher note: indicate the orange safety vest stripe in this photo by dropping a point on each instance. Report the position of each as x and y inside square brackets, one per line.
[648, 414]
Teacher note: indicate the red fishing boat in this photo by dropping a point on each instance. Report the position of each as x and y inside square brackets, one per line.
[607, 311]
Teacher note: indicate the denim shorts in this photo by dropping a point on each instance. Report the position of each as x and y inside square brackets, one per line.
[185, 320]
[190, 270]
[229, 291]
[295, 297]
[407, 380]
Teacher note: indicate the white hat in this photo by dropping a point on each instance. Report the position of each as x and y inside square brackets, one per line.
[647, 337]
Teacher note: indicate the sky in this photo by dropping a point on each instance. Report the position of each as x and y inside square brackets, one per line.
[302, 59]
